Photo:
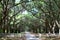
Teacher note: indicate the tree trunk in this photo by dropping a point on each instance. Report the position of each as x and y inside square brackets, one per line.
[54, 28]
[59, 31]
[58, 26]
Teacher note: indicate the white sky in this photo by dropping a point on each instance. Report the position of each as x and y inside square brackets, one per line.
[24, 12]
[17, 1]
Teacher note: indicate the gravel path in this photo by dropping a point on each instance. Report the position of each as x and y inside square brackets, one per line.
[22, 37]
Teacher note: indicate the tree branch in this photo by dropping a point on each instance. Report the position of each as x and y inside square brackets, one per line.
[13, 16]
[57, 23]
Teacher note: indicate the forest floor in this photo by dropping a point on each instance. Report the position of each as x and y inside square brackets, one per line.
[19, 36]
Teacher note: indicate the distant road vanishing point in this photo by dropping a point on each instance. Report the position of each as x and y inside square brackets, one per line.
[30, 36]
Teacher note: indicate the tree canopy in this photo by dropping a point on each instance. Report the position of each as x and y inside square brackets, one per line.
[41, 16]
